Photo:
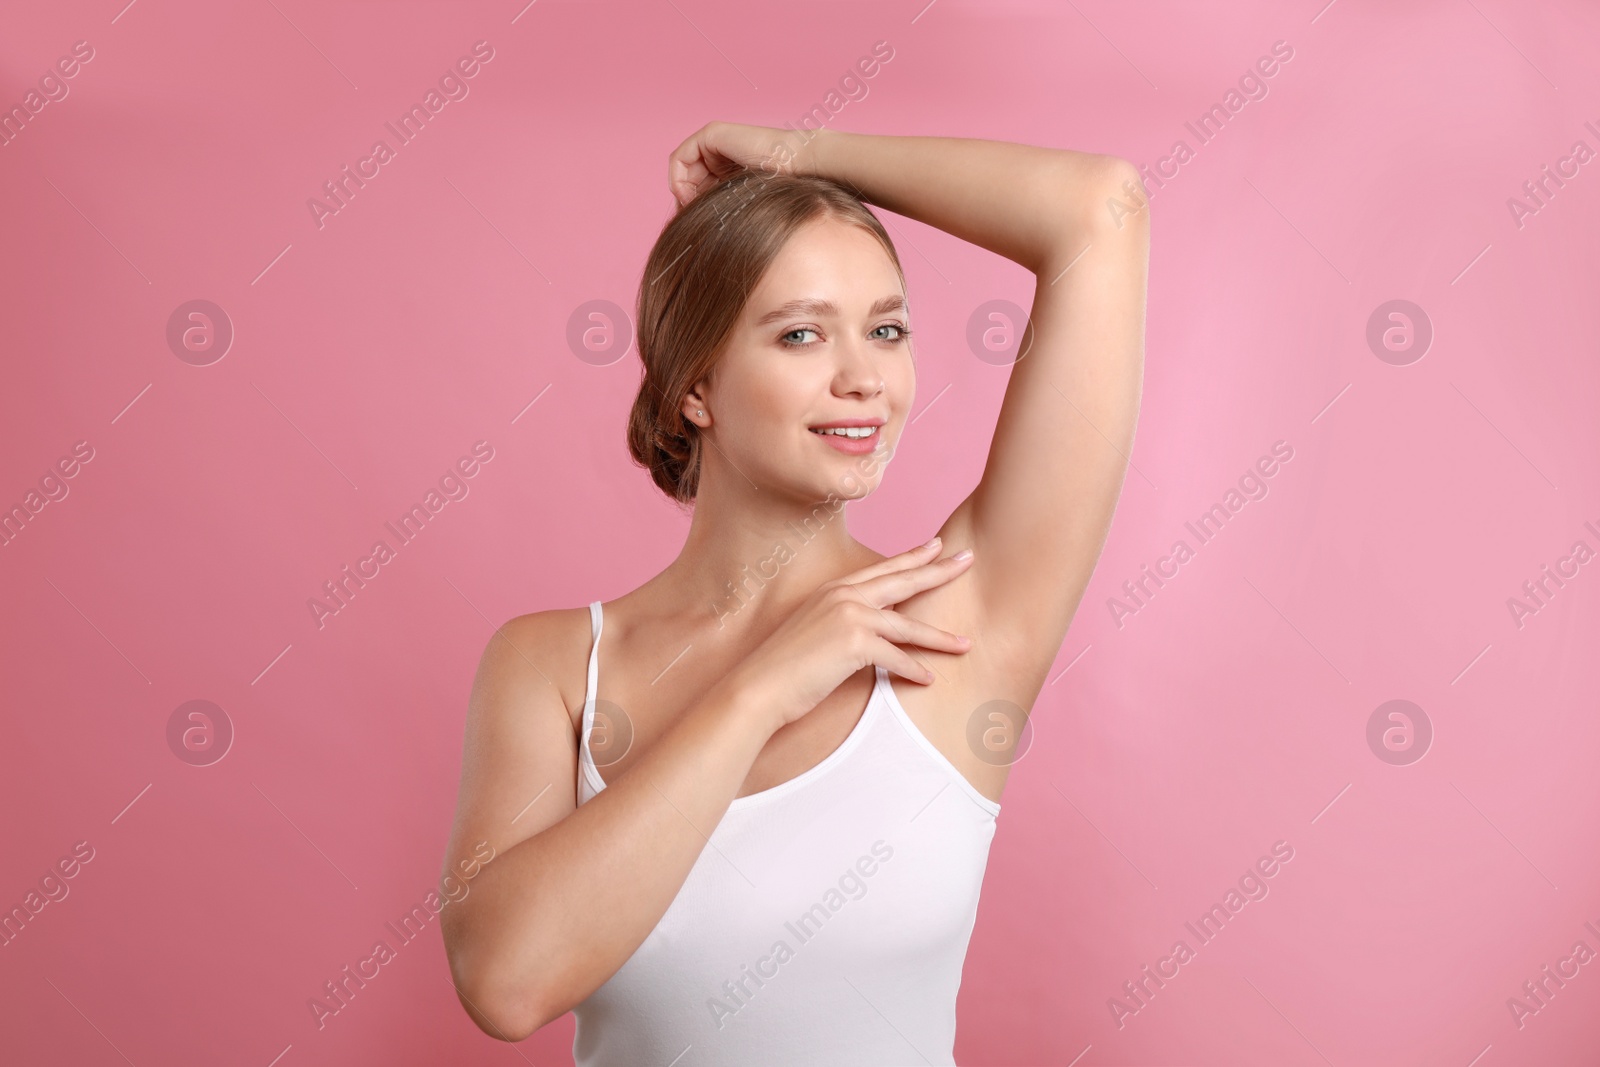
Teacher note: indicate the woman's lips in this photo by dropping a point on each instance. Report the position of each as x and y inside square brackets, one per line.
[855, 446]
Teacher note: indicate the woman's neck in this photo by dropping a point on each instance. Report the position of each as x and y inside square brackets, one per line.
[749, 559]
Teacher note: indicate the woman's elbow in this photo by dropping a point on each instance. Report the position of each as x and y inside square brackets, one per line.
[500, 1009]
[1122, 197]
[1104, 195]
[503, 1006]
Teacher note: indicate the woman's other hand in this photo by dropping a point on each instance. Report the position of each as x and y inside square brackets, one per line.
[850, 623]
[720, 149]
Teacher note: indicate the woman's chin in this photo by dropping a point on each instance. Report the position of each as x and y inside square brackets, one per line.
[851, 486]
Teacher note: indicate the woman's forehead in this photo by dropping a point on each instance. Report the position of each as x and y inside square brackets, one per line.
[838, 270]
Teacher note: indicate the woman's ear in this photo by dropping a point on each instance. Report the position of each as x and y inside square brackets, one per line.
[694, 408]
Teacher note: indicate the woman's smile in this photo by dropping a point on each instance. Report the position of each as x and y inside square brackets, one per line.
[855, 440]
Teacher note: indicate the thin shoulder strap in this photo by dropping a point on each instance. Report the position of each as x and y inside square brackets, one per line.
[585, 758]
[596, 624]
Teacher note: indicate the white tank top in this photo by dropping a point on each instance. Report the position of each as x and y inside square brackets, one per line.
[825, 922]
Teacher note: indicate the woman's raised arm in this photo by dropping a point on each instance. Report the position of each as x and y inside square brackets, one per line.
[1039, 516]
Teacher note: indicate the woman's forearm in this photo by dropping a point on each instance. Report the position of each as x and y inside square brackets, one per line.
[1019, 201]
[558, 913]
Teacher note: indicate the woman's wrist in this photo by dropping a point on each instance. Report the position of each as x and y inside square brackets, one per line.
[808, 152]
[748, 698]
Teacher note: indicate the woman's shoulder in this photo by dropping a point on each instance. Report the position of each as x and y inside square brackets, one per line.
[568, 633]
[551, 629]
[548, 649]
[548, 624]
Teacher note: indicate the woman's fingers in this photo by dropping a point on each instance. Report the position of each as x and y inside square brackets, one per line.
[710, 154]
[719, 149]
[687, 178]
[690, 168]
[895, 586]
[904, 630]
[912, 557]
[898, 661]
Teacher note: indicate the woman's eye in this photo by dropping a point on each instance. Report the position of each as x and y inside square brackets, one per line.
[790, 339]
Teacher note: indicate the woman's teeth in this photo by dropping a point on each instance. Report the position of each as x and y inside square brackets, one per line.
[849, 431]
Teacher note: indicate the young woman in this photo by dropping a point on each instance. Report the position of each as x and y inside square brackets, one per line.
[781, 860]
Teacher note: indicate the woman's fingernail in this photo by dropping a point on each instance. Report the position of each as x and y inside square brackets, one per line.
[965, 553]
[935, 541]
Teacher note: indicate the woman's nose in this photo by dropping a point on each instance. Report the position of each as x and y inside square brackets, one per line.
[858, 372]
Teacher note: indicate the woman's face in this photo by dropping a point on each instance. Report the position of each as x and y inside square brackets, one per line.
[820, 342]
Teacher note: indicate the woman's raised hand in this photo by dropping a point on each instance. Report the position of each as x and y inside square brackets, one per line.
[720, 149]
[847, 624]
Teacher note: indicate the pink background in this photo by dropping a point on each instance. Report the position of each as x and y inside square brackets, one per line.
[1228, 714]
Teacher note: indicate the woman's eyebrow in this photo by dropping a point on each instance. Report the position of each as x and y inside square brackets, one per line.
[826, 307]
